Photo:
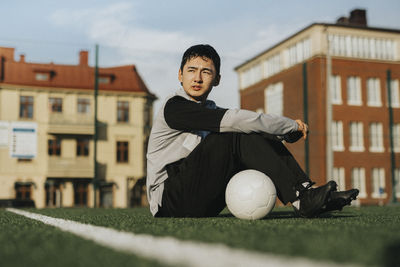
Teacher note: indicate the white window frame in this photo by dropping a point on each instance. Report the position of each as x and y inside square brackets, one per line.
[41, 76]
[378, 183]
[336, 89]
[397, 182]
[273, 96]
[358, 181]
[337, 136]
[356, 136]
[339, 178]
[374, 92]
[298, 52]
[354, 95]
[396, 137]
[376, 137]
[272, 65]
[395, 94]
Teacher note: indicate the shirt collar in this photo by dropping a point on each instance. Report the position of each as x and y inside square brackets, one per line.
[208, 103]
[181, 92]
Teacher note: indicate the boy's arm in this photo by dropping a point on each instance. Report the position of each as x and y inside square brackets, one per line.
[186, 115]
[248, 121]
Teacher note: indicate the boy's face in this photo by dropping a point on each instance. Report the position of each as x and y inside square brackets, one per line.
[198, 77]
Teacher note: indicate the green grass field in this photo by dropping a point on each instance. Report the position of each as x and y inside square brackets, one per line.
[364, 236]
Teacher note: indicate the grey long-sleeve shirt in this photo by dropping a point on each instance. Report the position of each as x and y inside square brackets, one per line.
[176, 132]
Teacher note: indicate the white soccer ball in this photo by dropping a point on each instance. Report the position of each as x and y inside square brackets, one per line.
[250, 195]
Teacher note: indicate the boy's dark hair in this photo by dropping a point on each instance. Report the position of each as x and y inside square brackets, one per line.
[202, 50]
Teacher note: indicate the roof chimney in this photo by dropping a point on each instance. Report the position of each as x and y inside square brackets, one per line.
[22, 58]
[343, 20]
[358, 17]
[83, 58]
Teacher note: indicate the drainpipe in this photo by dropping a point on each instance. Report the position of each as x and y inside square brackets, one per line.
[392, 155]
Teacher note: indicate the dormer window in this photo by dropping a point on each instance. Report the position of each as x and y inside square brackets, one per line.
[40, 76]
[44, 75]
[106, 78]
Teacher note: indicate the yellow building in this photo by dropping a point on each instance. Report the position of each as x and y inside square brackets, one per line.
[47, 134]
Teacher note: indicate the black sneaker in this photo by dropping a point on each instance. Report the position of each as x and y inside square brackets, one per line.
[312, 200]
[339, 199]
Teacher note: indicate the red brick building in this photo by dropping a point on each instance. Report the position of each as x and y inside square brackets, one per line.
[360, 62]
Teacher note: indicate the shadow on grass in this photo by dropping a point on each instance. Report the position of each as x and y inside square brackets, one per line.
[391, 256]
[291, 215]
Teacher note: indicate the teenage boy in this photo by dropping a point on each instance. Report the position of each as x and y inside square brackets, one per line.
[195, 147]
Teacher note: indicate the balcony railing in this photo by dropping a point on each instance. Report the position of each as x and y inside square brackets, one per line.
[70, 167]
[71, 124]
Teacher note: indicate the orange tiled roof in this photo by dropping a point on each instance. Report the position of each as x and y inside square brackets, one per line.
[122, 78]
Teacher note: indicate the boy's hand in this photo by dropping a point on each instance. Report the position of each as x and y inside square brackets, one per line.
[302, 128]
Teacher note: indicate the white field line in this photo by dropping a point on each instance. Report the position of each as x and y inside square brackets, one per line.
[169, 250]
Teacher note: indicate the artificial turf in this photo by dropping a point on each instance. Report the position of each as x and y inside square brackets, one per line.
[26, 242]
[365, 236]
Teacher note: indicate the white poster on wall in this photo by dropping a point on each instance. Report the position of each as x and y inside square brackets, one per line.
[23, 141]
[4, 129]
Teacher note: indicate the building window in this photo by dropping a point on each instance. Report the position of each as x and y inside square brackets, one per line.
[55, 104]
[299, 52]
[82, 147]
[54, 147]
[337, 136]
[104, 80]
[339, 178]
[274, 99]
[397, 182]
[358, 181]
[251, 75]
[376, 137]
[122, 152]
[336, 89]
[23, 191]
[395, 95]
[272, 65]
[83, 105]
[53, 194]
[362, 47]
[374, 92]
[356, 137]
[354, 91]
[123, 111]
[137, 194]
[378, 183]
[26, 107]
[42, 76]
[80, 193]
[396, 137]
[106, 196]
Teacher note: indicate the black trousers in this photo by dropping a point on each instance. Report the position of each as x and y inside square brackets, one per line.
[196, 184]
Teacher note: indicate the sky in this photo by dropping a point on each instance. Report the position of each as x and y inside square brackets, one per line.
[153, 34]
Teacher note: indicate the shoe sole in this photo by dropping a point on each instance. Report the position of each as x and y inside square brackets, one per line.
[330, 186]
[339, 203]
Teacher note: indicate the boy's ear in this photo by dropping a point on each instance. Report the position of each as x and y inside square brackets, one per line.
[180, 75]
[217, 80]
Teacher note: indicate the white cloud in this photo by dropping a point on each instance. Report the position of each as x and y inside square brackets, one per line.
[157, 53]
[114, 25]
[153, 51]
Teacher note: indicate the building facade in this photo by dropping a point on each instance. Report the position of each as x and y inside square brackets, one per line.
[355, 65]
[47, 133]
